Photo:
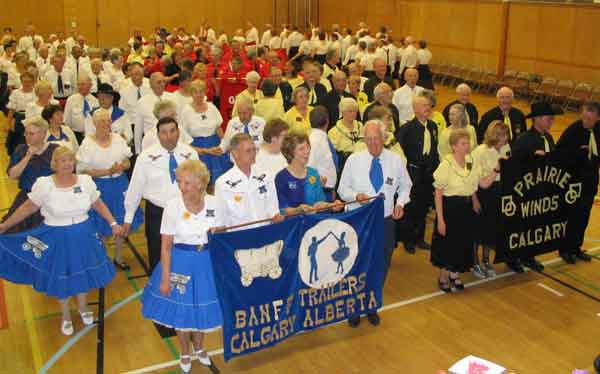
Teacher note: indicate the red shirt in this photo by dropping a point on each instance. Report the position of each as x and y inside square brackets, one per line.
[230, 84]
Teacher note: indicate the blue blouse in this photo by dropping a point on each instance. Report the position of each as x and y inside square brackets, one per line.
[38, 165]
[292, 191]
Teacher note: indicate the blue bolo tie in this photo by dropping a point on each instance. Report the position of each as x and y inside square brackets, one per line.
[172, 166]
[86, 108]
[376, 174]
[246, 130]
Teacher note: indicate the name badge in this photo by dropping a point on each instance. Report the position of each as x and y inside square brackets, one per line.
[262, 189]
[292, 185]
[77, 189]
[298, 119]
[389, 181]
[210, 212]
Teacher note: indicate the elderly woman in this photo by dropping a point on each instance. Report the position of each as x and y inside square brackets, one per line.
[269, 156]
[298, 117]
[252, 92]
[347, 132]
[458, 120]
[456, 181]
[63, 257]
[194, 310]
[299, 186]
[43, 93]
[18, 102]
[57, 132]
[202, 120]
[495, 146]
[354, 88]
[105, 157]
[120, 122]
[29, 162]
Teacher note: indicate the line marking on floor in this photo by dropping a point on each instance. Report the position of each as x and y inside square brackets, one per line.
[153, 368]
[34, 340]
[550, 289]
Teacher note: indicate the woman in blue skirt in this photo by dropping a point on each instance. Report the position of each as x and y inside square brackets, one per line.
[105, 157]
[64, 256]
[181, 293]
[202, 120]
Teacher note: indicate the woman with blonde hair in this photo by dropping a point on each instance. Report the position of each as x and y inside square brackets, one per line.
[348, 131]
[495, 147]
[63, 257]
[181, 293]
[298, 117]
[456, 181]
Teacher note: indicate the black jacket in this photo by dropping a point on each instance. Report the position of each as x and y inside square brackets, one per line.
[517, 121]
[332, 103]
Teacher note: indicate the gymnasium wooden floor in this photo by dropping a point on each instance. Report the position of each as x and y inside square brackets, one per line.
[527, 323]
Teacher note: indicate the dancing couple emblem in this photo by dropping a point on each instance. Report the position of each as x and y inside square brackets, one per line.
[339, 255]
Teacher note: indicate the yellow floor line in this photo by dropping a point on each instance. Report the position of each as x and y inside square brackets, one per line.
[34, 340]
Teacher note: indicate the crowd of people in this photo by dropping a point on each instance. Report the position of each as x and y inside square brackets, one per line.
[215, 131]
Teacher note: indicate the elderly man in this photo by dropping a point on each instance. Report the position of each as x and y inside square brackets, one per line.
[374, 171]
[418, 138]
[76, 62]
[463, 91]
[355, 69]
[332, 59]
[154, 180]
[284, 89]
[531, 144]
[132, 93]
[144, 109]
[382, 95]
[581, 140]
[60, 77]
[403, 96]
[380, 76]
[246, 122]
[513, 117]
[316, 90]
[245, 193]
[97, 74]
[43, 60]
[332, 99]
[79, 107]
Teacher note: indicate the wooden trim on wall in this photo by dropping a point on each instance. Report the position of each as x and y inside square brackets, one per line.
[502, 48]
[462, 48]
[555, 62]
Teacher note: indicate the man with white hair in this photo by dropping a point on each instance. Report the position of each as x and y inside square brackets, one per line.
[409, 59]
[43, 60]
[463, 92]
[403, 97]
[97, 74]
[377, 170]
[131, 94]
[418, 139]
[60, 77]
[513, 117]
[245, 122]
[380, 69]
[382, 96]
[144, 118]
[80, 106]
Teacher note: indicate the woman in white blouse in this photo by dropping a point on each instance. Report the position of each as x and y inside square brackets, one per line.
[18, 102]
[63, 257]
[495, 146]
[181, 293]
[43, 93]
[105, 157]
[269, 157]
[58, 133]
[202, 120]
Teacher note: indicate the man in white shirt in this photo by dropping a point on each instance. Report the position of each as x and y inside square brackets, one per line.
[132, 93]
[403, 96]
[245, 194]
[323, 155]
[77, 63]
[154, 180]
[26, 41]
[97, 74]
[245, 122]
[409, 59]
[266, 36]
[144, 110]
[294, 40]
[60, 77]
[43, 60]
[374, 171]
[79, 106]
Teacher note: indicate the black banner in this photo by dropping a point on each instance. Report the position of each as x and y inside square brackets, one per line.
[535, 201]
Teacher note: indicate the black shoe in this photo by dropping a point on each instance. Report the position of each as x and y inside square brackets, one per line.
[410, 248]
[424, 245]
[121, 265]
[583, 256]
[569, 258]
[374, 319]
[457, 283]
[533, 264]
[354, 321]
[515, 265]
[444, 286]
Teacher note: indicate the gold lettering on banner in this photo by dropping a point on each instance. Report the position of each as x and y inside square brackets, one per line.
[537, 236]
[547, 174]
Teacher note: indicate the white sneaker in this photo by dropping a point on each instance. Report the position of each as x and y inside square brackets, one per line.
[186, 368]
[67, 328]
[490, 271]
[87, 318]
[478, 272]
[204, 360]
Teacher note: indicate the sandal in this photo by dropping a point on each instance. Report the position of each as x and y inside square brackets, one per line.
[457, 283]
[185, 368]
[67, 328]
[87, 318]
[444, 286]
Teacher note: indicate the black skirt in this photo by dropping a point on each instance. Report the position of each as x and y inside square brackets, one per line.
[454, 251]
[488, 220]
[425, 77]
